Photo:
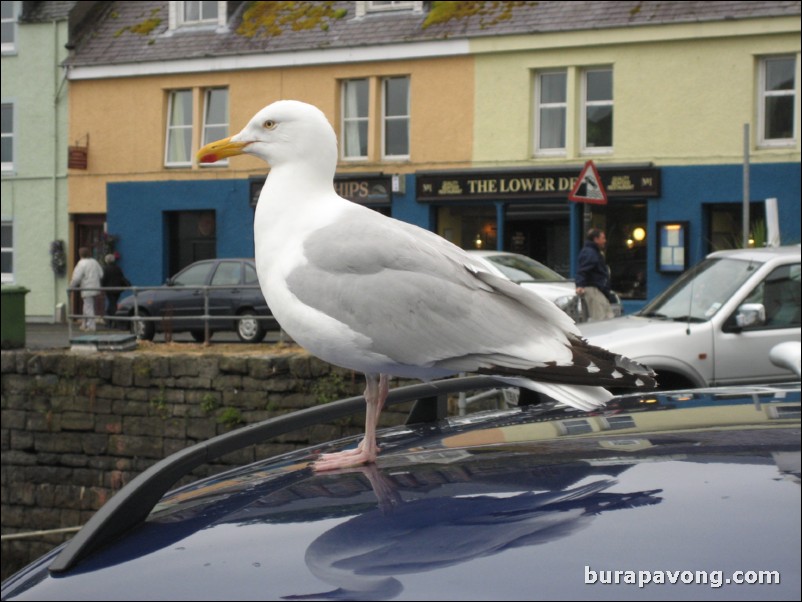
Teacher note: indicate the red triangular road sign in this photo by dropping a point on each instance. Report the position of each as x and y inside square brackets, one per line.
[588, 187]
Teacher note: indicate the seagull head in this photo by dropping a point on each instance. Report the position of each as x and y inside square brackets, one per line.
[285, 132]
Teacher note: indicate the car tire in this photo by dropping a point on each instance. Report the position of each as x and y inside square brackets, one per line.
[199, 336]
[144, 331]
[249, 328]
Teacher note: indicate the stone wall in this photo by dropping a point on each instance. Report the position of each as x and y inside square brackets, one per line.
[77, 427]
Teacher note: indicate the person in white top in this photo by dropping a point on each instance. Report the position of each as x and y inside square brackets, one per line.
[86, 276]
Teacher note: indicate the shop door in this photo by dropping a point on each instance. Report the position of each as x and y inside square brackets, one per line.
[88, 231]
[192, 237]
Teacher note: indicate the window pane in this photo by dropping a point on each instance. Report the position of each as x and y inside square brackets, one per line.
[779, 74]
[217, 109]
[208, 10]
[227, 274]
[7, 118]
[355, 118]
[250, 274]
[7, 150]
[193, 276]
[780, 117]
[215, 132]
[356, 98]
[7, 10]
[216, 116]
[178, 150]
[7, 260]
[181, 108]
[397, 137]
[397, 95]
[552, 87]
[191, 11]
[599, 85]
[7, 32]
[7, 236]
[600, 126]
[552, 128]
[356, 139]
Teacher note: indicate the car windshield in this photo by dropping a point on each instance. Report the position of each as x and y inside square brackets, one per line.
[699, 293]
[520, 268]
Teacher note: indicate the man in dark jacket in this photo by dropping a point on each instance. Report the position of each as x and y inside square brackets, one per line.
[593, 276]
[113, 276]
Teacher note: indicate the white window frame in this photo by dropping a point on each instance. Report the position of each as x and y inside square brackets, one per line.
[177, 10]
[388, 118]
[586, 104]
[8, 277]
[364, 7]
[351, 119]
[171, 129]
[764, 95]
[206, 137]
[11, 47]
[559, 151]
[8, 166]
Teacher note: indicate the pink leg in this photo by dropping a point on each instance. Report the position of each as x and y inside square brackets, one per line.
[375, 394]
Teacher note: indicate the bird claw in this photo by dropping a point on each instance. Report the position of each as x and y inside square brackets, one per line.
[348, 458]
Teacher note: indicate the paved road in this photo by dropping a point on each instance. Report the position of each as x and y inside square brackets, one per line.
[56, 336]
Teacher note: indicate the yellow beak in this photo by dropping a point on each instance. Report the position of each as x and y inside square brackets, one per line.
[214, 151]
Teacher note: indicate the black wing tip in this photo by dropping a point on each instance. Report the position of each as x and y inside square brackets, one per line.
[590, 366]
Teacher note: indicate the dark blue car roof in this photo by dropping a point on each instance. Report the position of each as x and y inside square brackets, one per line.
[698, 487]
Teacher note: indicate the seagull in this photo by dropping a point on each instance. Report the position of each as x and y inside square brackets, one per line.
[386, 298]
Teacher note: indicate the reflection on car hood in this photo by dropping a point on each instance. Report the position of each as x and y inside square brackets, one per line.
[489, 506]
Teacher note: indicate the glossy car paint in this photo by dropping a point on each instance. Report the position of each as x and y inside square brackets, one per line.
[520, 504]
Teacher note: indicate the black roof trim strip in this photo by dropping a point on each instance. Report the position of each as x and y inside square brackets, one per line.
[132, 504]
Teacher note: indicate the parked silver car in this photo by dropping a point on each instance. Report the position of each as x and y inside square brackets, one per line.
[717, 323]
[539, 278]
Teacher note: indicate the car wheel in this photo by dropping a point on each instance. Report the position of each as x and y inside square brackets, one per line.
[249, 329]
[144, 331]
[199, 336]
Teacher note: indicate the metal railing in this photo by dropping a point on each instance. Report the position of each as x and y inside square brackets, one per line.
[138, 317]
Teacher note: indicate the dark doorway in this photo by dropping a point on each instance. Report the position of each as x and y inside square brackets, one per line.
[192, 236]
[88, 231]
[541, 232]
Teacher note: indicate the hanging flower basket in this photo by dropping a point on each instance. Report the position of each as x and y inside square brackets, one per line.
[58, 258]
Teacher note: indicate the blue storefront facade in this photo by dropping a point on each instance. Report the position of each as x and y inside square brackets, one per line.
[149, 218]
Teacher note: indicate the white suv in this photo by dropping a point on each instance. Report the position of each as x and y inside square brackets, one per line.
[717, 323]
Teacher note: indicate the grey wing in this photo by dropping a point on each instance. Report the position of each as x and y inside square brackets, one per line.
[421, 301]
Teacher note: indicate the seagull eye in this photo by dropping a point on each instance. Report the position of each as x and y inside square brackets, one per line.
[269, 124]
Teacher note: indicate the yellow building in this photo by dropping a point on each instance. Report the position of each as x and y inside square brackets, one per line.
[472, 119]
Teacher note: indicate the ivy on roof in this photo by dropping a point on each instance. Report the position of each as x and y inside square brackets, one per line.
[272, 18]
[489, 13]
[142, 28]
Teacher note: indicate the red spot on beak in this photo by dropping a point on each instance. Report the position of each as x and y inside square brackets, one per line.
[208, 159]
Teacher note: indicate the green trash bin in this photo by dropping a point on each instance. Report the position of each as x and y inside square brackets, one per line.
[12, 316]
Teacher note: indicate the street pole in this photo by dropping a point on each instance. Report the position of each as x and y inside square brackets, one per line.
[745, 216]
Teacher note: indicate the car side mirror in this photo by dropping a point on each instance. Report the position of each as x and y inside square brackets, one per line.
[169, 282]
[748, 315]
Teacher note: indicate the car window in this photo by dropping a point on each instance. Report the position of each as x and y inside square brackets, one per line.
[250, 274]
[699, 293]
[779, 294]
[520, 268]
[227, 274]
[194, 275]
